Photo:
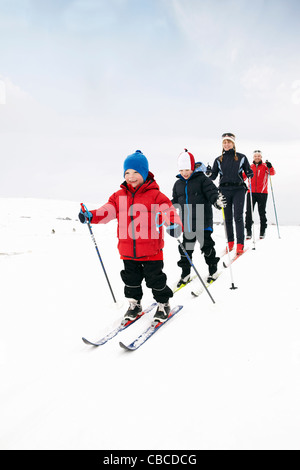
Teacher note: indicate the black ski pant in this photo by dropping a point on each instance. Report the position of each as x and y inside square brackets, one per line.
[152, 271]
[261, 200]
[234, 211]
[207, 249]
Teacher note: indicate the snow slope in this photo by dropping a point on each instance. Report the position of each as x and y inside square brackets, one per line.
[223, 376]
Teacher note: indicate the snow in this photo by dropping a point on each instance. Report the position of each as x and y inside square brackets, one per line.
[217, 376]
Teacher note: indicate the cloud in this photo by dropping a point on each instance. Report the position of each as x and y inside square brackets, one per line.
[295, 98]
[21, 112]
[14, 91]
[2, 92]
[93, 78]
[92, 16]
[16, 104]
[258, 78]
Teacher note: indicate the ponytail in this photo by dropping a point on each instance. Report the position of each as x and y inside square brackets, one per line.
[235, 155]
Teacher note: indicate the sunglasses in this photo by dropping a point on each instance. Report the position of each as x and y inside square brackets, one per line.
[228, 135]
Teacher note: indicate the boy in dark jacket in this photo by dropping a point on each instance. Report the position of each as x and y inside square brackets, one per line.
[194, 193]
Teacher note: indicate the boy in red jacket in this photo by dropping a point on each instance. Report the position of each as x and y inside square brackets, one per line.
[141, 210]
[259, 188]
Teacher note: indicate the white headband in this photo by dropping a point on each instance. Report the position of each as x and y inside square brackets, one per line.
[228, 138]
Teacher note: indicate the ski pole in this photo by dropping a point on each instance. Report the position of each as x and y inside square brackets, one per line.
[229, 260]
[193, 266]
[273, 201]
[84, 209]
[252, 215]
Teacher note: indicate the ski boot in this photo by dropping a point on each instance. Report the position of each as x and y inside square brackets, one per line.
[212, 268]
[134, 310]
[183, 280]
[239, 249]
[230, 246]
[162, 312]
[262, 233]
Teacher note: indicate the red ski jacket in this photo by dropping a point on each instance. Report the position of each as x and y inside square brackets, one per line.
[141, 215]
[259, 182]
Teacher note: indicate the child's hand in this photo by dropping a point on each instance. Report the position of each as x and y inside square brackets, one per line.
[208, 170]
[174, 230]
[85, 216]
[220, 202]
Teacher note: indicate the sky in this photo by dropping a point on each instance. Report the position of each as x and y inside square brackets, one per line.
[84, 83]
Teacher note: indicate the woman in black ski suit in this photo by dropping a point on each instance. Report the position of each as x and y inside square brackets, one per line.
[230, 166]
[194, 193]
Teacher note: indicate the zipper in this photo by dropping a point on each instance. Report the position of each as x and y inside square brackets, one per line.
[187, 205]
[132, 225]
[132, 222]
[256, 176]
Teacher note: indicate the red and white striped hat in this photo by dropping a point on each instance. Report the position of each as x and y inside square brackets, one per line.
[186, 161]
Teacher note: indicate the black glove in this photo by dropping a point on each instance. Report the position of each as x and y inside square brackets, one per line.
[174, 230]
[269, 165]
[208, 170]
[85, 216]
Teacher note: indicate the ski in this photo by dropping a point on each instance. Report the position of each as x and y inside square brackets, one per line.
[223, 253]
[176, 289]
[123, 325]
[236, 256]
[183, 285]
[208, 283]
[153, 328]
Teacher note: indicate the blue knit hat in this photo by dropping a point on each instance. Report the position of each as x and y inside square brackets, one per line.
[138, 162]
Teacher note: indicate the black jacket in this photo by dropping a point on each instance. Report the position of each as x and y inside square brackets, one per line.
[231, 171]
[197, 191]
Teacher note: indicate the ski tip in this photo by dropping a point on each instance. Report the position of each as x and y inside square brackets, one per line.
[89, 343]
[86, 341]
[123, 346]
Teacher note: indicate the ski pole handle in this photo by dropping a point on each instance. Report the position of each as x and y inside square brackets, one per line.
[85, 210]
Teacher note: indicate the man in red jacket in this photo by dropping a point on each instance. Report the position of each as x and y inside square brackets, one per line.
[259, 188]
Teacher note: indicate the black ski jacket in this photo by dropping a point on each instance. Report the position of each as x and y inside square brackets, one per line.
[230, 170]
[198, 191]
